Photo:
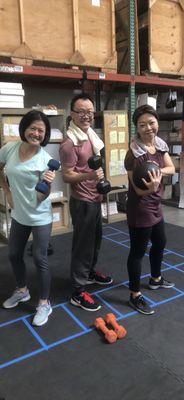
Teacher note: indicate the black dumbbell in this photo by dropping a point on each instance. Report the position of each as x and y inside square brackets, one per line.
[43, 186]
[103, 186]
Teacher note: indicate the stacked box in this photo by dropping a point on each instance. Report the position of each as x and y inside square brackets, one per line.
[112, 208]
[11, 95]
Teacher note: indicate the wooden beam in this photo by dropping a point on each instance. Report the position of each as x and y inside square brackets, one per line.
[21, 16]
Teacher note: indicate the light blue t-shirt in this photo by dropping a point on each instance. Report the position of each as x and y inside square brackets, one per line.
[23, 177]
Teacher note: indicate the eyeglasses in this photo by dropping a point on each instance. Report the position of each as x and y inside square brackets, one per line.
[83, 113]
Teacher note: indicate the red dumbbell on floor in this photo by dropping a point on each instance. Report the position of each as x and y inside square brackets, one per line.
[118, 329]
[110, 334]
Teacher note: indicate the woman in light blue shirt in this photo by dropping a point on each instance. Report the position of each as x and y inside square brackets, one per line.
[25, 163]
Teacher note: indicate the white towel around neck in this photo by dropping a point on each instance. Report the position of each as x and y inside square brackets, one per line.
[77, 136]
[138, 148]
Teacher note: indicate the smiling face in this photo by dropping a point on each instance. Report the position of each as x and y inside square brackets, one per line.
[35, 133]
[82, 114]
[147, 128]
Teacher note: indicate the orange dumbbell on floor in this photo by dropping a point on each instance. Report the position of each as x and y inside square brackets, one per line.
[110, 335]
[119, 329]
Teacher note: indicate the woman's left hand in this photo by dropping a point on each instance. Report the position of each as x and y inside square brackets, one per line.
[155, 179]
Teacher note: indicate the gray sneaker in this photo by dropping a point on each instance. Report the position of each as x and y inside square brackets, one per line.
[162, 283]
[42, 313]
[140, 304]
[16, 298]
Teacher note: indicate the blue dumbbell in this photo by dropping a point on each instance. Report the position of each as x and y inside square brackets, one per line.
[43, 186]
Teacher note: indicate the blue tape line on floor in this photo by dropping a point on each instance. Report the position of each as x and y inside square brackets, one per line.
[97, 293]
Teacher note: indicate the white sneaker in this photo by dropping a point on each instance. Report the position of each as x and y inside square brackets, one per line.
[42, 313]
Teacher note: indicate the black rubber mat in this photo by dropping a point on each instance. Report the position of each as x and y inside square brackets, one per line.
[67, 359]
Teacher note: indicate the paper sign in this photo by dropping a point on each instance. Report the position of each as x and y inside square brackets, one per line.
[121, 137]
[113, 137]
[11, 130]
[96, 3]
[122, 154]
[116, 168]
[122, 170]
[113, 123]
[121, 121]
[56, 217]
[113, 168]
[114, 155]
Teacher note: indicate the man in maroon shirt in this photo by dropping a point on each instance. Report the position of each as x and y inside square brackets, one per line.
[85, 202]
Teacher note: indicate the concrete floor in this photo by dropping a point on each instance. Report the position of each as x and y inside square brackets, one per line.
[174, 215]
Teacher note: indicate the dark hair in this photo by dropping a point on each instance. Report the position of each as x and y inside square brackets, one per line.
[82, 96]
[144, 109]
[68, 119]
[26, 121]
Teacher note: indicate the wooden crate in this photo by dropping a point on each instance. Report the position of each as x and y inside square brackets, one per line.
[166, 36]
[75, 32]
[159, 35]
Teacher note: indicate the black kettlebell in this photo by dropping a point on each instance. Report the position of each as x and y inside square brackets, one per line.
[103, 186]
[141, 171]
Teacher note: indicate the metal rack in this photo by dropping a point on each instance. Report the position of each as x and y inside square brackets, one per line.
[72, 76]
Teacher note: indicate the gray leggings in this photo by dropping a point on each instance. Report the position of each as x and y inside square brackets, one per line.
[19, 235]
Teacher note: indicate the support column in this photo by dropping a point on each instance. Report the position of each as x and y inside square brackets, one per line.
[132, 96]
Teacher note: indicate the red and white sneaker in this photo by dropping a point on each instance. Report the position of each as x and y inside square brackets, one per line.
[98, 277]
[85, 301]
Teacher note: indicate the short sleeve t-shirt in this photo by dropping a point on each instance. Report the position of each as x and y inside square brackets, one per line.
[76, 157]
[22, 178]
[144, 211]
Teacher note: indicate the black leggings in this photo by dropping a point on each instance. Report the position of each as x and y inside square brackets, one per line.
[139, 238]
[19, 235]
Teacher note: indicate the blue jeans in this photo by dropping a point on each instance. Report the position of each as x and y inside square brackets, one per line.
[19, 235]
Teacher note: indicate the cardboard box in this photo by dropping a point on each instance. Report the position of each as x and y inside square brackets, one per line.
[174, 136]
[145, 98]
[60, 215]
[12, 104]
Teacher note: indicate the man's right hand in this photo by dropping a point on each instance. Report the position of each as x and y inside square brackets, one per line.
[96, 175]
